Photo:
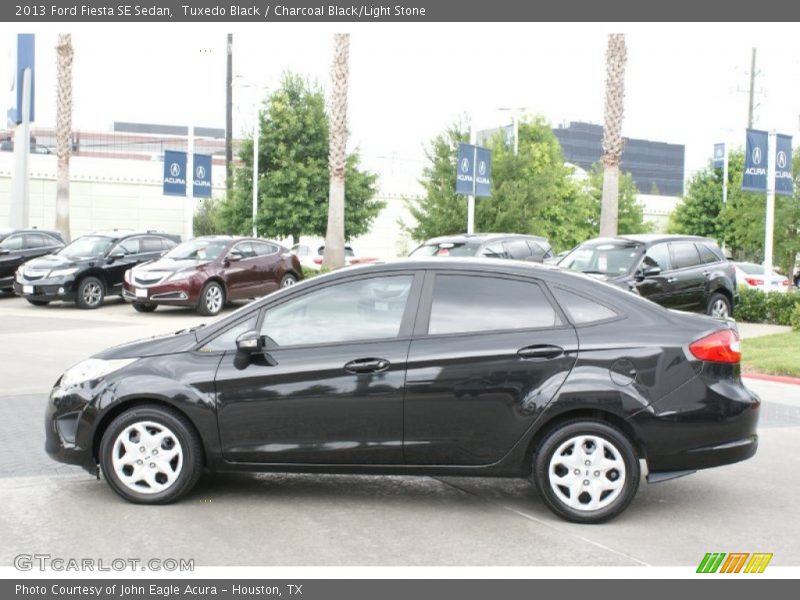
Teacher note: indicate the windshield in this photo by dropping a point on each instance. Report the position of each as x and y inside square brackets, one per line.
[88, 245]
[607, 258]
[198, 250]
[446, 249]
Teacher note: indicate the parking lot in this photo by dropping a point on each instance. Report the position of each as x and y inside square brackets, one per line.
[357, 520]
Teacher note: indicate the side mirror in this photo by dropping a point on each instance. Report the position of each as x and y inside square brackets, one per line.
[234, 256]
[115, 256]
[648, 272]
[249, 342]
[4, 251]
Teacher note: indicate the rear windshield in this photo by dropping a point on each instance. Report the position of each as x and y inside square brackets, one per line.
[751, 268]
[606, 258]
[446, 249]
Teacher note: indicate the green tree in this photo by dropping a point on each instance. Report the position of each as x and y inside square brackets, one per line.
[534, 191]
[293, 177]
[740, 222]
[630, 213]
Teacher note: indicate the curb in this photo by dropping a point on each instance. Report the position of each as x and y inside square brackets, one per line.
[773, 378]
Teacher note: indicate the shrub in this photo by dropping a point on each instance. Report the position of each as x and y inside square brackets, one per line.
[796, 317]
[755, 306]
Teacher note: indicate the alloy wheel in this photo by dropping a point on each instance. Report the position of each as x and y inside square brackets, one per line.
[719, 308]
[213, 299]
[147, 457]
[587, 473]
[288, 282]
[92, 294]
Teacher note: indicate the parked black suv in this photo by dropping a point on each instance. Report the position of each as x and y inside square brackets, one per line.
[487, 245]
[677, 271]
[18, 246]
[89, 268]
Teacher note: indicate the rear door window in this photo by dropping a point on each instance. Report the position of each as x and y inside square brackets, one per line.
[473, 303]
[517, 249]
[580, 309]
[707, 255]
[494, 250]
[684, 255]
[657, 255]
[34, 240]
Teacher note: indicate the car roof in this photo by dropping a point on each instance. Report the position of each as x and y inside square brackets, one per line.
[119, 234]
[651, 238]
[51, 232]
[482, 238]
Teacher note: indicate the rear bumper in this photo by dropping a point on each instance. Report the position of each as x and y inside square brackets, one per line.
[699, 426]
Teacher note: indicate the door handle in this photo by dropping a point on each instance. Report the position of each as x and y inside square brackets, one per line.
[540, 352]
[367, 365]
[706, 273]
[672, 279]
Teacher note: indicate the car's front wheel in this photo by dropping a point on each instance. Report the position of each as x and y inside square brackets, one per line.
[212, 299]
[91, 293]
[719, 306]
[151, 455]
[586, 471]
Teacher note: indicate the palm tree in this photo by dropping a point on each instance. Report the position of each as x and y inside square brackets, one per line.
[616, 57]
[63, 131]
[337, 152]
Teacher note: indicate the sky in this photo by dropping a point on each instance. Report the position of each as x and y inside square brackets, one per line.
[685, 83]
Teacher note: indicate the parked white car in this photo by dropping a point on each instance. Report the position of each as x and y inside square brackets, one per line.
[751, 275]
[311, 257]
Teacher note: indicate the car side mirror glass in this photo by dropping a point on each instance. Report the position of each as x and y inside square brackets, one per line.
[116, 256]
[234, 256]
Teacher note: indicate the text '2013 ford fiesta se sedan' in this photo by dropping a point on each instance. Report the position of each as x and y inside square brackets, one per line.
[420, 367]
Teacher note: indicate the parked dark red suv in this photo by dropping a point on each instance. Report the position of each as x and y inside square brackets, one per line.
[207, 272]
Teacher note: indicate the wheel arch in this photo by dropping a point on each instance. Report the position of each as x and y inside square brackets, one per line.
[125, 405]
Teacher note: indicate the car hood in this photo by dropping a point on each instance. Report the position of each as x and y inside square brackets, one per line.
[171, 265]
[170, 343]
[59, 261]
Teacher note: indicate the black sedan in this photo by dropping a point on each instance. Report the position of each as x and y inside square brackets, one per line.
[422, 367]
[18, 246]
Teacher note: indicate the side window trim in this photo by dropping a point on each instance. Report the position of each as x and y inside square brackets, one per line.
[618, 315]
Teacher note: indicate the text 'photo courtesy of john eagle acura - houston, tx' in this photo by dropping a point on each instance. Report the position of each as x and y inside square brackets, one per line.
[423, 366]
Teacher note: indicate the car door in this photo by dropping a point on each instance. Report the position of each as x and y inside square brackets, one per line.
[121, 257]
[655, 286]
[686, 277]
[12, 255]
[488, 353]
[267, 264]
[329, 386]
[242, 275]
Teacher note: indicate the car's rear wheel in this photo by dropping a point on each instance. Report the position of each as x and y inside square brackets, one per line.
[151, 455]
[719, 306]
[144, 308]
[38, 302]
[288, 280]
[91, 293]
[212, 299]
[586, 471]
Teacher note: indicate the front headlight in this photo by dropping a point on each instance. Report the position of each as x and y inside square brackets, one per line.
[93, 368]
[181, 275]
[63, 272]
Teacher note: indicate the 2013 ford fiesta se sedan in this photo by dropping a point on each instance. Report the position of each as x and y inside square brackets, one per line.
[421, 367]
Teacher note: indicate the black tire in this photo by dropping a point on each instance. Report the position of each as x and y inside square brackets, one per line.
[212, 299]
[91, 293]
[558, 502]
[38, 302]
[184, 436]
[144, 308]
[288, 280]
[719, 304]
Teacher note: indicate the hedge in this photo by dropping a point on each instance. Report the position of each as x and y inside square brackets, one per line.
[777, 308]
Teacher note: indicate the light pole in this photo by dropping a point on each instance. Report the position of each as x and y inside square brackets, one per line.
[260, 91]
[515, 112]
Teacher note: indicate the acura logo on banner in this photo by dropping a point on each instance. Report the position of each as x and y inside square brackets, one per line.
[174, 173]
[755, 167]
[783, 165]
[474, 174]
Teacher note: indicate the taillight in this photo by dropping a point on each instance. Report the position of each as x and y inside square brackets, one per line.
[318, 261]
[785, 283]
[754, 281]
[721, 346]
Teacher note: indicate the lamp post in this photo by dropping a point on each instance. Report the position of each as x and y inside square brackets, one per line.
[260, 91]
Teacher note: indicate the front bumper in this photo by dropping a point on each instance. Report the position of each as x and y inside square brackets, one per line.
[700, 425]
[180, 293]
[68, 424]
[46, 289]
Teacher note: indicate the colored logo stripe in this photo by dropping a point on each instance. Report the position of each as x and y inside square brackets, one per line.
[735, 561]
[758, 562]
